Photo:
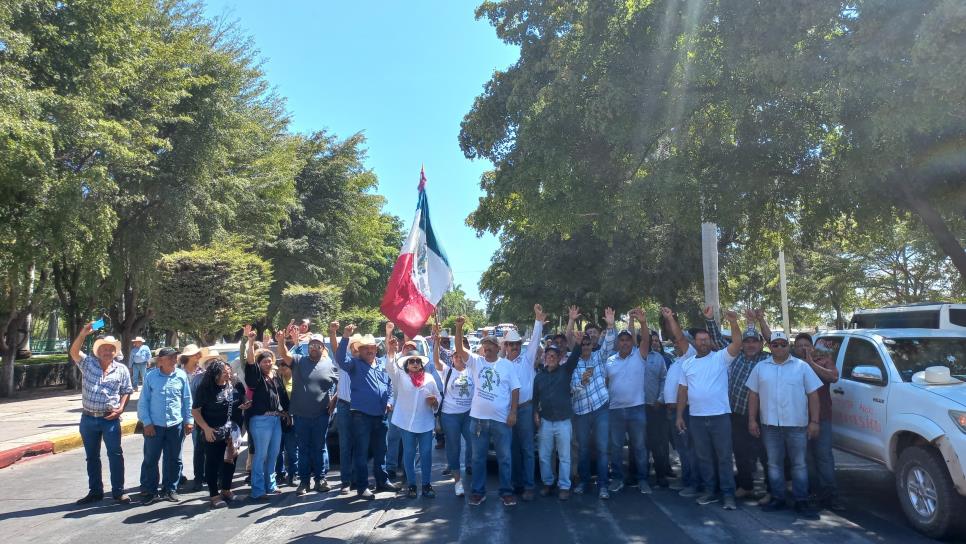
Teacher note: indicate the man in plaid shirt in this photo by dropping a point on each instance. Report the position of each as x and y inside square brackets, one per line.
[590, 399]
[749, 450]
[107, 387]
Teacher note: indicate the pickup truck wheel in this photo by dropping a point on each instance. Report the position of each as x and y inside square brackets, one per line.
[926, 491]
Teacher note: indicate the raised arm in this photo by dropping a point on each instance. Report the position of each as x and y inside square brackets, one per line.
[680, 342]
[734, 348]
[765, 329]
[333, 329]
[343, 347]
[538, 318]
[644, 347]
[390, 348]
[459, 359]
[436, 361]
[572, 314]
[711, 324]
[78, 343]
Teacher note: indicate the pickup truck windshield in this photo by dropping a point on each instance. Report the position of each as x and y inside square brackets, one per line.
[912, 355]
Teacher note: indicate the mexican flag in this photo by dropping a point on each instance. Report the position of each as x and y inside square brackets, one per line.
[421, 274]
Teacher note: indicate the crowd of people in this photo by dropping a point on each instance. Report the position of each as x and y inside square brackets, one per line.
[578, 412]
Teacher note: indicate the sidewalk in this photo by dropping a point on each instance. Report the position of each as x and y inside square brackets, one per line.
[45, 421]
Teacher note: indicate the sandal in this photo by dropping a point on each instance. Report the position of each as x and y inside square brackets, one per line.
[228, 496]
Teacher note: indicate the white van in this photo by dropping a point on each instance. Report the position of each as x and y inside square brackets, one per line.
[927, 315]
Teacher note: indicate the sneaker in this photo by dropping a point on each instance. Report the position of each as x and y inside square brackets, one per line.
[387, 486]
[564, 495]
[805, 511]
[545, 491]
[645, 488]
[429, 492]
[603, 494]
[392, 475]
[527, 496]
[459, 489]
[145, 499]
[274, 492]
[476, 500]
[773, 506]
[729, 503]
[707, 498]
[616, 486]
[447, 472]
[578, 489]
[765, 499]
[198, 485]
[411, 492]
[742, 493]
[689, 492]
[365, 494]
[123, 498]
[676, 485]
[172, 496]
[304, 489]
[321, 486]
[509, 500]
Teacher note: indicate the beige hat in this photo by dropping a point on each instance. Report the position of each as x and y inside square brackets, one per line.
[354, 339]
[210, 355]
[107, 340]
[193, 349]
[138, 339]
[367, 340]
[512, 336]
[935, 375]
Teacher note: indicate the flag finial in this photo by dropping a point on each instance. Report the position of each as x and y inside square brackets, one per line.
[422, 178]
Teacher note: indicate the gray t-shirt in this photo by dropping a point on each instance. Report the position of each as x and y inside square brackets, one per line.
[313, 383]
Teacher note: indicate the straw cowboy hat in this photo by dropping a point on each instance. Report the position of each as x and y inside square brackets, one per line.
[367, 340]
[211, 355]
[138, 339]
[935, 375]
[193, 349]
[107, 341]
[354, 339]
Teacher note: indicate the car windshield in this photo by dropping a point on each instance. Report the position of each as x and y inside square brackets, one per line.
[912, 355]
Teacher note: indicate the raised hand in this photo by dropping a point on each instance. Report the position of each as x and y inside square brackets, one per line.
[390, 327]
[333, 328]
[641, 316]
[436, 330]
[573, 313]
[247, 332]
[609, 317]
[759, 314]
[750, 315]
[731, 315]
[348, 331]
[280, 337]
[708, 312]
[667, 313]
[538, 313]
[460, 321]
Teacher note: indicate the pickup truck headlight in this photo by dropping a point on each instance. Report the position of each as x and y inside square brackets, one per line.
[959, 418]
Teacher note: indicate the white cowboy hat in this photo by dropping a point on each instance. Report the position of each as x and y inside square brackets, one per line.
[210, 355]
[193, 349]
[354, 339]
[138, 339]
[444, 334]
[512, 336]
[367, 340]
[107, 340]
[935, 375]
[403, 359]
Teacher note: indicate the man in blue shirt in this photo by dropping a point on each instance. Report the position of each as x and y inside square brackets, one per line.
[371, 391]
[165, 411]
[140, 356]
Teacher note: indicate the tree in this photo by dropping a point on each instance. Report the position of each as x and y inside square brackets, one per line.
[212, 290]
[455, 303]
[366, 320]
[320, 303]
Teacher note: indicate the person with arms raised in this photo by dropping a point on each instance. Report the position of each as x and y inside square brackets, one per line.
[525, 365]
[455, 412]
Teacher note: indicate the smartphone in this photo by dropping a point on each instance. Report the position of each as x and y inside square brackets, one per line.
[98, 325]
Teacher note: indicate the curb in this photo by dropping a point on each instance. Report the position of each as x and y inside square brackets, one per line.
[57, 444]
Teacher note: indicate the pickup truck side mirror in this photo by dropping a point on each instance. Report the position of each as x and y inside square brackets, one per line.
[868, 374]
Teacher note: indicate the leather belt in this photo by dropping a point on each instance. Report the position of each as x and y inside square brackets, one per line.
[94, 414]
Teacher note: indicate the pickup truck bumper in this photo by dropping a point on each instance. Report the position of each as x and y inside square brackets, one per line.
[954, 453]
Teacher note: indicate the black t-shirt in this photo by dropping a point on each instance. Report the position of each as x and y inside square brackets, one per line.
[217, 403]
[269, 395]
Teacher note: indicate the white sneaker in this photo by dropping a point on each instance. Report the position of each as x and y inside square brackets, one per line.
[459, 488]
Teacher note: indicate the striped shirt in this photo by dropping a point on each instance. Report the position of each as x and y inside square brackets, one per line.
[103, 390]
[594, 395]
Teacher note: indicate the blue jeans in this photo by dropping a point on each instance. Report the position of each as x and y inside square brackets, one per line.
[682, 444]
[138, 371]
[711, 437]
[524, 461]
[794, 442]
[454, 427]
[424, 443]
[369, 431]
[499, 431]
[287, 462]
[166, 441]
[632, 422]
[343, 422]
[555, 435]
[393, 442]
[597, 422]
[310, 433]
[267, 434]
[92, 431]
[821, 462]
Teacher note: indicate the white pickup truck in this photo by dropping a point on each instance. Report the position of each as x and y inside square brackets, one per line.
[887, 408]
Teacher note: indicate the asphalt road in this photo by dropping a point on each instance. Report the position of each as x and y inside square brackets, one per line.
[37, 505]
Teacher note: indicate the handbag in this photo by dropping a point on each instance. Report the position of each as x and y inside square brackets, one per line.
[224, 432]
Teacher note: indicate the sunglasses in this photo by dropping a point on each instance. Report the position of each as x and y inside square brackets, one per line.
[779, 344]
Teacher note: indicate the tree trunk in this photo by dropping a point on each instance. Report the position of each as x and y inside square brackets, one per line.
[17, 316]
[938, 227]
[128, 321]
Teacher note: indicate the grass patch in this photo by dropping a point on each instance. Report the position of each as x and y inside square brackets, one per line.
[48, 358]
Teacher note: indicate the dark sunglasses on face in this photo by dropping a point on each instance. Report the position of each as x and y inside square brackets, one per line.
[779, 344]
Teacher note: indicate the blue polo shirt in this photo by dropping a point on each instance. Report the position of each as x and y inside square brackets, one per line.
[371, 387]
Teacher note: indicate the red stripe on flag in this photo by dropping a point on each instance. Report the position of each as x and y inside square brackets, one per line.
[403, 304]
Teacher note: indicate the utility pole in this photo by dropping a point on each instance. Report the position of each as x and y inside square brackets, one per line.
[784, 286]
[709, 260]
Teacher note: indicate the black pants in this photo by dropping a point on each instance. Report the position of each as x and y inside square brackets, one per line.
[749, 451]
[198, 456]
[656, 438]
[218, 472]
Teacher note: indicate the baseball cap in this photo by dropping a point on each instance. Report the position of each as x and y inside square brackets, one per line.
[751, 334]
[167, 352]
[779, 335]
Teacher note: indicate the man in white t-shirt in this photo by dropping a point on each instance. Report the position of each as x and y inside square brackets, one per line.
[690, 480]
[783, 390]
[703, 389]
[493, 411]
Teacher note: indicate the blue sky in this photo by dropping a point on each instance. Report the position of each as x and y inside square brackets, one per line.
[404, 73]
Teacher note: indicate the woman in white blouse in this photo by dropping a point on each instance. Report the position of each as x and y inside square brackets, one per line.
[455, 418]
[414, 413]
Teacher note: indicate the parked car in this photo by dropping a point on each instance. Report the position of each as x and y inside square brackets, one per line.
[885, 407]
[927, 315]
